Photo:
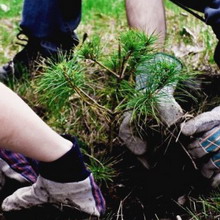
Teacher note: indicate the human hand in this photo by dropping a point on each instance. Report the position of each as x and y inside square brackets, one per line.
[135, 144]
[153, 73]
[79, 192]
[205, 147]
[84, 196]
[169, 111]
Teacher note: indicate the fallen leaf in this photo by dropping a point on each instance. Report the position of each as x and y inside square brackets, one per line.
[182, 50]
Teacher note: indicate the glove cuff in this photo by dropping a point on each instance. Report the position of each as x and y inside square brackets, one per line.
[68, 168]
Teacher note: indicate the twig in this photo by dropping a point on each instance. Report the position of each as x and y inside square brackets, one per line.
[124, 65]
[184, 149]
[80, 92]
[105, 67]
[120, 209]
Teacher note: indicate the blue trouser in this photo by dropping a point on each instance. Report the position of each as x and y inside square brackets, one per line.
[211, 10]
[50, 18]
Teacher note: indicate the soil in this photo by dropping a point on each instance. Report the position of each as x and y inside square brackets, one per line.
[136, 194]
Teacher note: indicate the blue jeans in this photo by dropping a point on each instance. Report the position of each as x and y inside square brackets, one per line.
[50, 18]
[211, 10]
[47, 19]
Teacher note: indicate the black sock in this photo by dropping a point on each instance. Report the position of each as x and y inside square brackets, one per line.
[68, 168]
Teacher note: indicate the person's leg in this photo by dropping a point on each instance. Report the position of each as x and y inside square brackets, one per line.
[63, 175]
[48, 19]
[147, 16]
[23, 131]
[49, 26]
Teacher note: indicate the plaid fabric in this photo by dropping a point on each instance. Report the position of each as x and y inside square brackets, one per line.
[98, 197]
[20, 164]
[211, 143]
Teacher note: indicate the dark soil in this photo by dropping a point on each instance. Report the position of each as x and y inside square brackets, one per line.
[136, 194]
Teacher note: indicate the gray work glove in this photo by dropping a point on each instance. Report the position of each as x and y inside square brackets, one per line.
[135, 144]
[168, 109]
[205, 131]
[83, 195]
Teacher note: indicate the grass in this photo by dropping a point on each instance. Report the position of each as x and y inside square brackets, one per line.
[188, 34]
[12, 8]
[82, 107]
[93, 10]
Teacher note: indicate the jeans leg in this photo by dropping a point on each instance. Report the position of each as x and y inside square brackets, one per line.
[195, 4]
[46, 18]
[211, 10]
[212, 15]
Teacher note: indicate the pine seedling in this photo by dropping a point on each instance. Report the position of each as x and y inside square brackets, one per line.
[152, 76]
[117, 93]
[91, 50]
[132, 46]
[56, 85]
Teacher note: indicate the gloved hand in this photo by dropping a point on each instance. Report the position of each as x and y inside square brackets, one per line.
[53, 186]
[135, 144]
[168, 109]
[17, 167]
[205, 147]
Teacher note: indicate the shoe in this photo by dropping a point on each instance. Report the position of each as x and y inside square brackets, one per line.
[84, 196]
[28, 59]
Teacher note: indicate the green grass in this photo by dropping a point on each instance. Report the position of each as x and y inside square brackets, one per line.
[185, 32]
[100, 8]
[9, 20]
[13, 8]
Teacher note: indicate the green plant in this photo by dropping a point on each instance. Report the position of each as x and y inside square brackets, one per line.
[59, 83]
[205, 208]
[111, 89]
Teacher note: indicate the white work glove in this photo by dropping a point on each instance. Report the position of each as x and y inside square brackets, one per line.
[83, 195]
[168, 109]
[204, 129]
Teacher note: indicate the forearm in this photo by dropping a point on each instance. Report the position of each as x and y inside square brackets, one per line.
[148, 16]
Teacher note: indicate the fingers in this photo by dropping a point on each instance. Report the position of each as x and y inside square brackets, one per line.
[216, 181]
[135, 144]
[169, 110]
[205, 150]
[24, 198]
[201, 123]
